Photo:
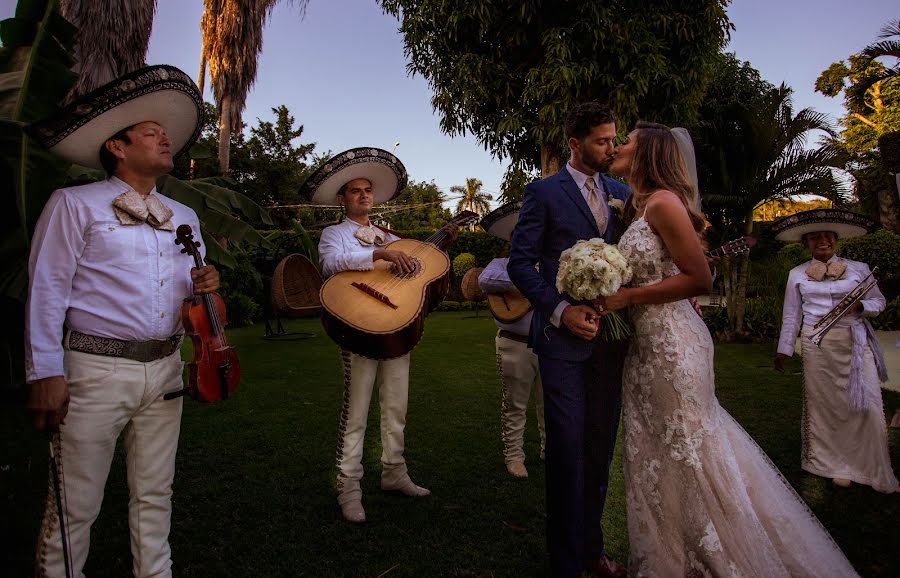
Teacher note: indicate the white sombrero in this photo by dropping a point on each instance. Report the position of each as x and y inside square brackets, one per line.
[844, 224]
[501, 221]
[381, 168]
[162, 94]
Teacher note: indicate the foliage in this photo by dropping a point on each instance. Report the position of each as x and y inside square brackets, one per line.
[793, 254]
[889, 319]
[508, 72]
[448, 305]
[517, 176]
[462, 263]
[242, 291]
[880, 249]
[889, 146]
[417, 207]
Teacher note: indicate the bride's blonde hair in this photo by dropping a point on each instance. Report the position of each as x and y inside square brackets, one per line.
[657, 164]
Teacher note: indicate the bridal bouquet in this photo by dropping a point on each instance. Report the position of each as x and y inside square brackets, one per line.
[592, 268]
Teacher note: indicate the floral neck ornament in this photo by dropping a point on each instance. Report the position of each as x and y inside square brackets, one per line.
[368, 235]
[819, 271]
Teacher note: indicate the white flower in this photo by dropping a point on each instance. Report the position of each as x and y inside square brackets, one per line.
[591, 268]
[615, 204]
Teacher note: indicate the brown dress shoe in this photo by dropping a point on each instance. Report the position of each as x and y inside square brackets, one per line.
[841, 482]
[605, 567]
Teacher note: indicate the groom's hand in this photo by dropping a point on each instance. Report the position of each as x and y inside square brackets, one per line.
[581, 320]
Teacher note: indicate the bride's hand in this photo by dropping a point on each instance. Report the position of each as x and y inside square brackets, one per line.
[618, 300]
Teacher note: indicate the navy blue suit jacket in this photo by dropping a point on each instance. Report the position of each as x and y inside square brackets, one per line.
[553, 217]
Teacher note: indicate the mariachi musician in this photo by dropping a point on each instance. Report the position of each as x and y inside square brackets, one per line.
[103, 325]
[518, 364]
[844, 431]
[357, 180]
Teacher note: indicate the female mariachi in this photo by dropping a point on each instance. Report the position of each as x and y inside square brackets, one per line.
[844, 432]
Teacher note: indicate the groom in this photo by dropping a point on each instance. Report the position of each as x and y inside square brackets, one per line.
[582, 376]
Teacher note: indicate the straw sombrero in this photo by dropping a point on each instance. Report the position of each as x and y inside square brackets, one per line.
[501, 221]
[385, 171]
[844, 224]
[161, 94]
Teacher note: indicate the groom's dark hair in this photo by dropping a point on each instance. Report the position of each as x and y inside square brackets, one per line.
[582, 119]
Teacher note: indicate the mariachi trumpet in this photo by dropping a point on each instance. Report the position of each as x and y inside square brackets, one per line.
[850, 300]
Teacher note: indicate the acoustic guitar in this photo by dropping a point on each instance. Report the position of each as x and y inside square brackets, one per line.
[736, 247]
[508, 307]
[381, 313]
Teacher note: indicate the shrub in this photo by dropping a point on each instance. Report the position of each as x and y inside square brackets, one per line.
[889, 320]
[880, 249]
[242, 311]
[793, 254]
[462, 263]
[242, 291]
[716, 319]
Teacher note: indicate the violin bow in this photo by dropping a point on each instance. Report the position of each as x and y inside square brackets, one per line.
[59, 495]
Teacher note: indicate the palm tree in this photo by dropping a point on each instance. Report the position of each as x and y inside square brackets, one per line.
[472, 198]
[887, 47]
[757, 153]
[112, 40]
[231, 43]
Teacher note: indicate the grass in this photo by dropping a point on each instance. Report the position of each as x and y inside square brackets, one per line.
[255, 474]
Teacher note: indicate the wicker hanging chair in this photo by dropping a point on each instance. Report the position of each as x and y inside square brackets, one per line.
[295, 287]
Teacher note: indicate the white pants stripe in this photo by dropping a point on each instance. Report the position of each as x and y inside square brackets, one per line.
[108, 396]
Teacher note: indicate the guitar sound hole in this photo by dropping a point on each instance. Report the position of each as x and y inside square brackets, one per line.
[418, 267]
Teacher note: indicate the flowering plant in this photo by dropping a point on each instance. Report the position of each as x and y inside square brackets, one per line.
[592, 268]
[617, 205]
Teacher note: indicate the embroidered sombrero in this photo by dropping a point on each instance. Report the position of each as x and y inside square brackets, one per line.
[162, 94]
[385, 171]
[843, 223]
[501, 221]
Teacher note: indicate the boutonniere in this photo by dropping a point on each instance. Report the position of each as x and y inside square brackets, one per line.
[819, 271]
[617, 205]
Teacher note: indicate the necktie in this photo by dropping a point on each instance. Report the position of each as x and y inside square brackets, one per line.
[132, 208]
[596, 205]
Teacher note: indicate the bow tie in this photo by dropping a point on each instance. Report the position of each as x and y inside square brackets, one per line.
[819, 271]
[132, 208]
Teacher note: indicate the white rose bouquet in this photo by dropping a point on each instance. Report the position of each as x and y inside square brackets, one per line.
[592, 268]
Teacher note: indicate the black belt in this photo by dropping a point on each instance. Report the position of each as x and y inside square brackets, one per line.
[513, 336]
[142, 351]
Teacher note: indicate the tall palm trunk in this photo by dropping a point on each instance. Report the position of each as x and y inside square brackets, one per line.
[201, 84]
[225, 135]
[737, 276]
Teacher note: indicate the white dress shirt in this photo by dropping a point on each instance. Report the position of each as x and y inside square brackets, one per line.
[340, 250]
[807, 301]
[92, 274]
[495, 279]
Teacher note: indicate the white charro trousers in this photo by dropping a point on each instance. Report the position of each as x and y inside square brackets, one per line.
[360, 376]
[519, 375]
[110, 395]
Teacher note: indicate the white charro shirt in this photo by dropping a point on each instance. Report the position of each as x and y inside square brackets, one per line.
[807, 301]
[92, 274]
[495, 279]
[340, 250]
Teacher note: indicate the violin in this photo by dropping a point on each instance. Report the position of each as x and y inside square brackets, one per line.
[214, 371]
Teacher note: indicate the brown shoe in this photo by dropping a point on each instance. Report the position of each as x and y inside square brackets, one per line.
[605, 567]
[841, 482]
[517, 470]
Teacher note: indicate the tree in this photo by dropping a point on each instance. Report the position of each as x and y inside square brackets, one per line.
[113, 39]
[472, 198]
[751, 148]
[872, 100]
[515, 179]
[508, 72]
[419, 206]
[231, 43]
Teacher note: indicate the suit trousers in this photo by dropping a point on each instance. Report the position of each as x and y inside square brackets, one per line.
[360, 376]
[582, 403]
[110, 395]
[519, 374]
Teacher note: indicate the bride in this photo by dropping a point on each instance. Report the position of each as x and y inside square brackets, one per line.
[703, 499]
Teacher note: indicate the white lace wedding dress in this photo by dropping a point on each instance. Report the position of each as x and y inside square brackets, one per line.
[703, 499]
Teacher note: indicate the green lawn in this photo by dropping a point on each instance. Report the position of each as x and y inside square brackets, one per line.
[254, 485]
